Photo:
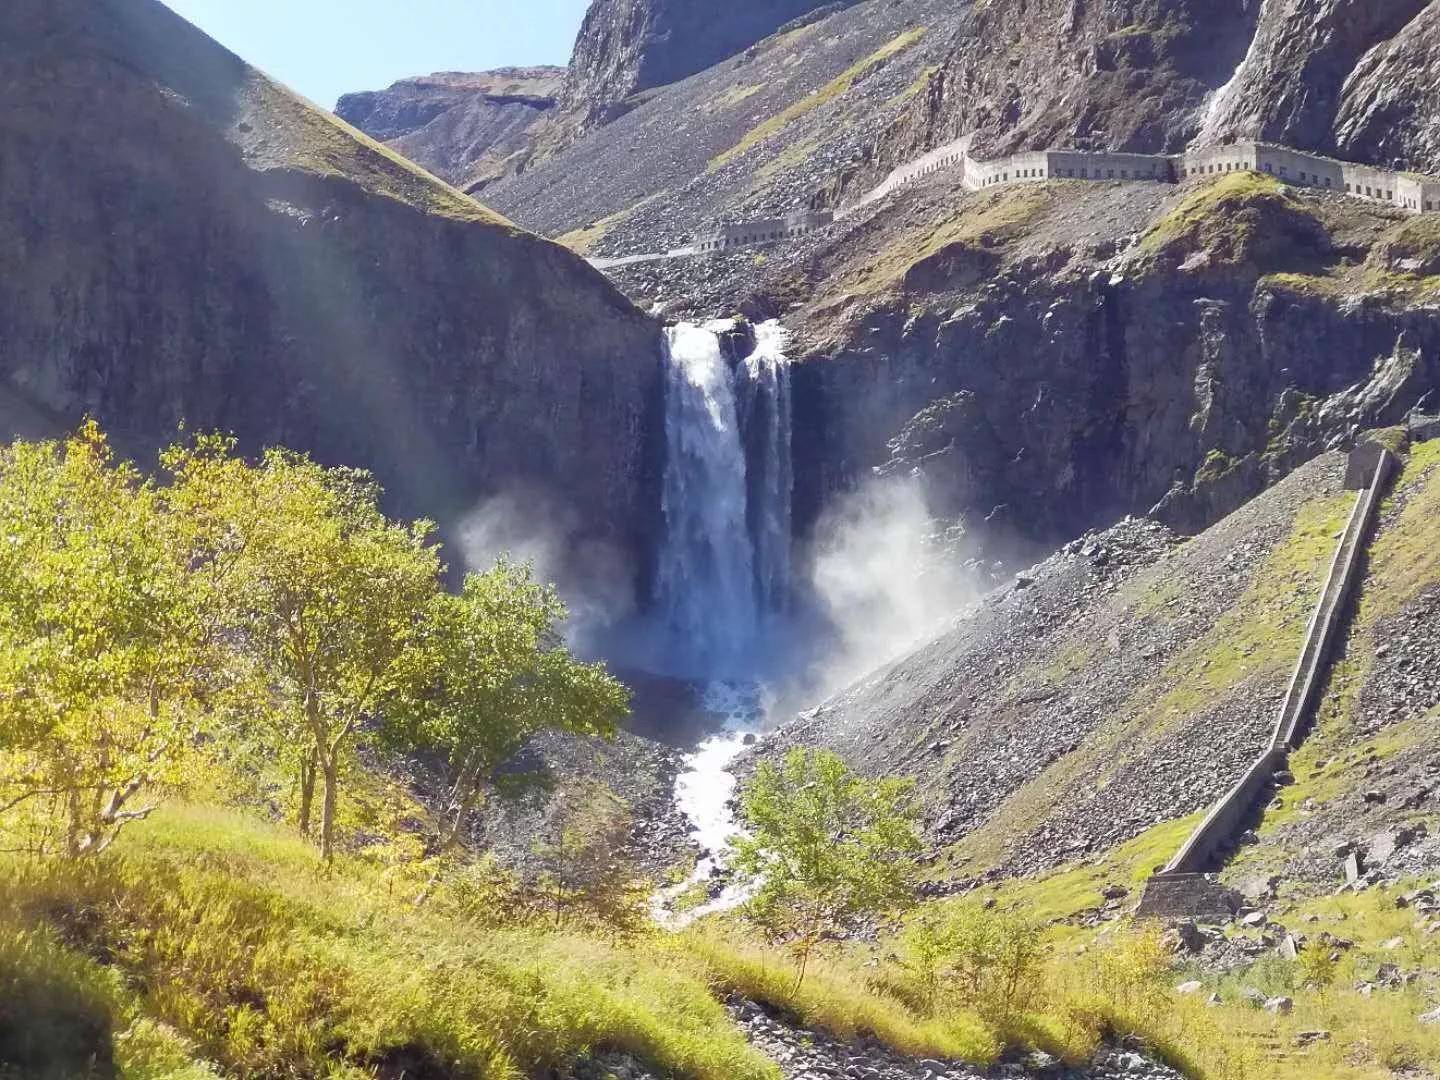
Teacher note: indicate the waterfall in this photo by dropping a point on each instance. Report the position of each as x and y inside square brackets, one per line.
[724, 564]
[1217, 105]
[764, 410]
[723, 574]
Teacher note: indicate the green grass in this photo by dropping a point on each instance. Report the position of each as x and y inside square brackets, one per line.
[1371, 1037]
[1241, 218]
[302, 137]
[1403, 563]
[1264, 630]
[247, 947]
[1059, 896]
[1405, 560]
[838, 86]
[837, 999]
[986, 219]
[730, 97]
[63, 1016]
[1260, 635]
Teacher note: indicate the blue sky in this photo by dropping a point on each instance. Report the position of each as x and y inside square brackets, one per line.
[324, 48]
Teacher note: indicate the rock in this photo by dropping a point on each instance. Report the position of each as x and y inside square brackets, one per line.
[406, 387]
[462, 127]
[1385, 844]
[1352, 868]
[1115, 892]
[1183, 937]
[1254, 919]
[1255, 997]
[1308, 1038]
[626, 46]
[1431, 1017]
[1281, 1006]
[1190, 987]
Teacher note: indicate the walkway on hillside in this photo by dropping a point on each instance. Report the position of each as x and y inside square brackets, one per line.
[1182, 888]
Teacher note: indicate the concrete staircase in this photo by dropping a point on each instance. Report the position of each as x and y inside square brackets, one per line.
[1183, 888]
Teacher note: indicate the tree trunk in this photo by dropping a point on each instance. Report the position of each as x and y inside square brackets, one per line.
[307, 791]
[462, 796]
[331, 769]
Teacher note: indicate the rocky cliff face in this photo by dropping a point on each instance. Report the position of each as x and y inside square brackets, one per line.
[1390, 103]
[189, 241]
[1115, 74]
[1293, 82]
[1053, 358]
[626, 46]
[465, 128]
[1350, 77]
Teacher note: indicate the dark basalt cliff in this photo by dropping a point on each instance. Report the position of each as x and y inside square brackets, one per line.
[188, 241]
[626, 46]
[465, 128]
[1051, 359]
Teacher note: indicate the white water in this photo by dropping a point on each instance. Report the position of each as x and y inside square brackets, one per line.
[705, 580]
[1217, 109]
[703, 793]
[724, 567]
[764, 392]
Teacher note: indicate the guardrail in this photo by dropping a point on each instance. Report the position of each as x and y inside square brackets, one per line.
[1301, 698]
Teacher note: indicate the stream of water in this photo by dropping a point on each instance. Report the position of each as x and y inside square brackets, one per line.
[724, 567]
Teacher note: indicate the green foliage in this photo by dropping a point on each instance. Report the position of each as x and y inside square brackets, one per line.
[1241, 219]
[238, 937]
[102, 646]
[989, 961]
[270, 606]
[488, 671]
[825, 848]
[325, 593]
[584, 878]
[843, 999]
[64, 1017]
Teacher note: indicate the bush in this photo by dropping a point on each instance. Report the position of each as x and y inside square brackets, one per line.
[988, 961]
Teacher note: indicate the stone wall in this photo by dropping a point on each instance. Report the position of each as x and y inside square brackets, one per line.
[763, 231]
[1229, 816]
[1406, 190]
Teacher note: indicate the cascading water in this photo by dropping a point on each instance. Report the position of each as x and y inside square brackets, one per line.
[724, 568]
[764, 410]
[705, 583]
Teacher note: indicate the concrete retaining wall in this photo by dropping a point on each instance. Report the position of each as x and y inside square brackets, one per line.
[1226, 819]
[1407, 191]
[762, 231]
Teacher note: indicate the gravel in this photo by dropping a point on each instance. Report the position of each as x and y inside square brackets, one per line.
[1054, 681]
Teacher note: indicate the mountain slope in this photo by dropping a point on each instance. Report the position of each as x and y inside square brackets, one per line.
[192, 242]
[464, 128]
[626, 46]
[1130, 680]
[818, 113]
